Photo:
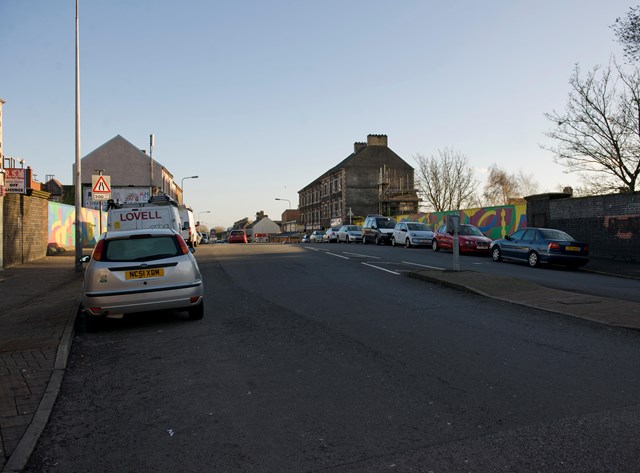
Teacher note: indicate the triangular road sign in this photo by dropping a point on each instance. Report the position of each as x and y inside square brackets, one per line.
[101, 186]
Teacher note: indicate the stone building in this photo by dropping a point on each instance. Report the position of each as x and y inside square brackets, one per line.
[371, 180]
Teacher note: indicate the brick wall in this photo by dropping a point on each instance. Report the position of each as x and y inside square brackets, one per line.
[609, 223]
[25, 222]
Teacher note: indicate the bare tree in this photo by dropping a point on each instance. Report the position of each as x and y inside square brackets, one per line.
[527, 185]
[503, 188]
[627, 31]
[446, 181]
[598, 134]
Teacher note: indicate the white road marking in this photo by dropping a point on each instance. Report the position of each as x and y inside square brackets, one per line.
[423, 265]
[339, 256]
[381, 269]
[362, 256]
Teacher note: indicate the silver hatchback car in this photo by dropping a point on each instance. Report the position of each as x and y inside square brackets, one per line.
[141, 271]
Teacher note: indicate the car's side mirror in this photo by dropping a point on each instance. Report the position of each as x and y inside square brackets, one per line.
[507, 237]
[84, 259]
[192, 249]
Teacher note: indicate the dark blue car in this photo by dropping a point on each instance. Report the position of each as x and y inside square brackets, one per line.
[541, 245]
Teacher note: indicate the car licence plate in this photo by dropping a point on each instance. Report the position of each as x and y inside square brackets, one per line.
[572, 248]
[482, 247]
[144, 273]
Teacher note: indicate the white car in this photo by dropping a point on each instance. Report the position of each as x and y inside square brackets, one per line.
[143, 270]
[411, 234]
[317, 236]
[349, 233]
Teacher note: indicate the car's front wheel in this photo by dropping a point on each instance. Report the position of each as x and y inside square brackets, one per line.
[393, 241]
[407, 243]
[434, 245]
[196, 312]
[496, 255]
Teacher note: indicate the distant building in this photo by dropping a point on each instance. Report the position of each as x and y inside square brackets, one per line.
[262, 229]
[134, 175]
[371, 180]
[55, 188]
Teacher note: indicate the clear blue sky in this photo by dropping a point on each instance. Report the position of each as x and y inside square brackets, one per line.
[259, 98]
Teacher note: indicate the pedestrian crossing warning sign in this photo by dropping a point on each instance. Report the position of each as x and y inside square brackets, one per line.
[100, 187]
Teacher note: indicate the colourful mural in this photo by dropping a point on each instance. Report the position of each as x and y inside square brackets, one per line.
[62, 223]
[495, 222]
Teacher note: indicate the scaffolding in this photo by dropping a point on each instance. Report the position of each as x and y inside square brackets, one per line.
[396, 192]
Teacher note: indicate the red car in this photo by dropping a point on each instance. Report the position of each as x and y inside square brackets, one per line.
[470, 239]
[237, 236]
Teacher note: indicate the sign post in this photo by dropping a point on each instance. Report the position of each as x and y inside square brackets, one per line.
[100, 191]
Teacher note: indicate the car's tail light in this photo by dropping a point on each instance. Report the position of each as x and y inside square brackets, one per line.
[97, 251]
[183, 246]
[554, 245]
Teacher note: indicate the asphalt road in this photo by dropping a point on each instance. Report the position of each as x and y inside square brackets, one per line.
[312, 360]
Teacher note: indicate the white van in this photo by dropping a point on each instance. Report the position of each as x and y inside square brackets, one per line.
[189, 232]
[159, 212]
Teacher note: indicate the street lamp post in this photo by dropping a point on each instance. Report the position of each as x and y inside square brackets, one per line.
[182, 184]
[287, 200]
[278, 198]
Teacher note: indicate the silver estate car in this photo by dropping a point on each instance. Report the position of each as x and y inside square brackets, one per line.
[141, 271]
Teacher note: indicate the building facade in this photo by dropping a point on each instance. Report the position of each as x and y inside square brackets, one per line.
[371, 180]
[134, 175]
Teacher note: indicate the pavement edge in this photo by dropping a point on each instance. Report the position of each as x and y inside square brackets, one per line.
[20, 456]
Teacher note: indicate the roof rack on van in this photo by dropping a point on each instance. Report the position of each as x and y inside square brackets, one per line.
[162, 200]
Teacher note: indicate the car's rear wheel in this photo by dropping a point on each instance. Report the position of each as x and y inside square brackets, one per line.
[393, 241]
[533, 259]
[197, 312]
[364, 239]
[407, 243]
[348, 239]
[378, 242]
[496, 255]
[434, 245]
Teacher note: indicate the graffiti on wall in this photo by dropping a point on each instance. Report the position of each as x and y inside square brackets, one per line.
[62, 225]
[495, 222]
[623, 227]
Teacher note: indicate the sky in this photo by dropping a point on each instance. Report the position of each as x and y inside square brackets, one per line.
[259, 98]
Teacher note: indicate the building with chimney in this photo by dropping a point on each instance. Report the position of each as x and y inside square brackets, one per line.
[371, 180]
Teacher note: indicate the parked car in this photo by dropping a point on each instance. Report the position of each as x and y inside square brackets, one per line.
[331, 235]
[411, 234]
[237, 236]
[541, 245]
[305, 239]
[316, 236]
[349, 233]
[470, 240]
[141, 270]
[378, 229]
[204, 238]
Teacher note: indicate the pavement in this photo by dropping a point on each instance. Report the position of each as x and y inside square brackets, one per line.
[40, 301]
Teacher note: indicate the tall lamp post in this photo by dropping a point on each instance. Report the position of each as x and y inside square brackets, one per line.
[287, 200]
[182, 184]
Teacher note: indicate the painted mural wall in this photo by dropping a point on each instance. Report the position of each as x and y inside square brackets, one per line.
[62, 223]
[495, 222]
